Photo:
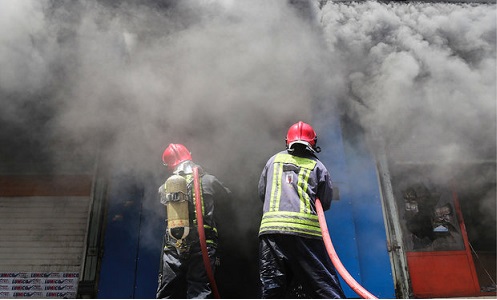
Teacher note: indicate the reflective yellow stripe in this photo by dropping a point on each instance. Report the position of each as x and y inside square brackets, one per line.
[296, 160]
[189, 178]
[290, 222]
[210, 228]
[306, 166]
[274, 201]
[292, 214]
[305, 202]
[301, 222]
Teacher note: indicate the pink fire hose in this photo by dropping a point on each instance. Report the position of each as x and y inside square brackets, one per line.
[201, 233]
[354, 285]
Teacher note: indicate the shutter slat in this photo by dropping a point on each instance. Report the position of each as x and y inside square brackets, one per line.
[42, 233]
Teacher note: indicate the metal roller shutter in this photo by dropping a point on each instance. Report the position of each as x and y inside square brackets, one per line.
[42, 240]
[42, 233]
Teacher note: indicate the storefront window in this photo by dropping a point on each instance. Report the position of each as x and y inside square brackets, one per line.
[430, 219]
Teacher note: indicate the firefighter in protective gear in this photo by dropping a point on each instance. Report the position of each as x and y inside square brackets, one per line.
[291, 248]
[182, 273]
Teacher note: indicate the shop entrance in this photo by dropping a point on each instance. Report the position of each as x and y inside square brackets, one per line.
[448, 229]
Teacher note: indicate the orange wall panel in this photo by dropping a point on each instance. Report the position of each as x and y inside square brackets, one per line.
[44, 185]
[442, 274]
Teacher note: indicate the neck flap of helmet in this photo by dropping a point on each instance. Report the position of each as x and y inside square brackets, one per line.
[186, 167]
[301, 146]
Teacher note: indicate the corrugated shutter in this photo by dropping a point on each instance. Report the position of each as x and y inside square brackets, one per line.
[42, 234]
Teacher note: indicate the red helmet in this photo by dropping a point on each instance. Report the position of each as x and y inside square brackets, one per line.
[174, 155]
[301, 133]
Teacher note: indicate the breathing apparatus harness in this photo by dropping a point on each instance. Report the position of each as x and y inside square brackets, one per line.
[176, 201]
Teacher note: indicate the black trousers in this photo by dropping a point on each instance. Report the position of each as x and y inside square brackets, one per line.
[286, 259]
[184, 276]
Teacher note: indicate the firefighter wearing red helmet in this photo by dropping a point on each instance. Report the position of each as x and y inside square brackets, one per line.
[174, 155]
[302, 133]
[182, 273]
[291, 248]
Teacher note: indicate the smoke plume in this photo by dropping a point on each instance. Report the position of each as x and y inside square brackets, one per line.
[422, 74]
[227, 78]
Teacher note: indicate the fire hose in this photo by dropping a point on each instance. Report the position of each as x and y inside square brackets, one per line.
[354, 285]
[201, 233]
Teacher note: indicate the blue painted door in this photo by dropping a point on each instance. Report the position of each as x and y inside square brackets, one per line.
[355, 221]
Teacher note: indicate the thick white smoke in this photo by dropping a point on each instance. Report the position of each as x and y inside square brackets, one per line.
[423, 77]
[214, 75]
[422, 74]
[227, 78]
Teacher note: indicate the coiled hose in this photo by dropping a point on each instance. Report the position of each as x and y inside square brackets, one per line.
[354, 285]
